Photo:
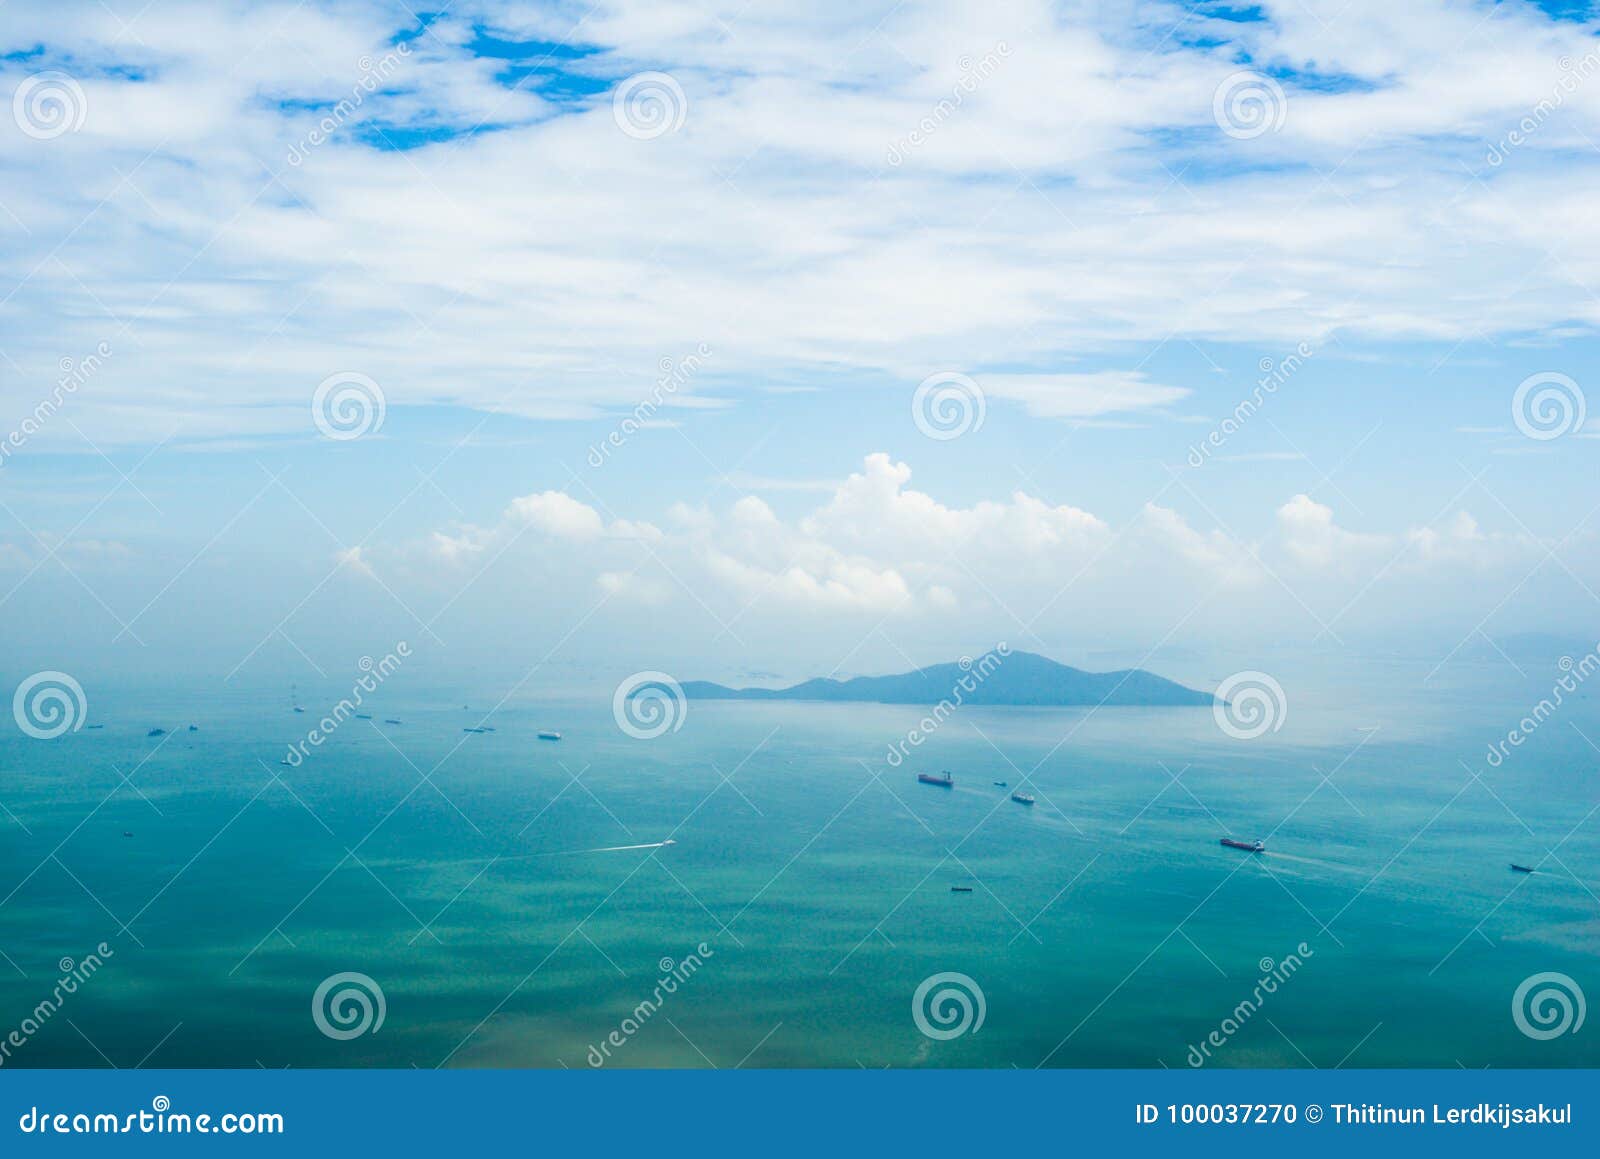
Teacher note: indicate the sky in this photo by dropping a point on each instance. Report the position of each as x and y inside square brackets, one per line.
[754, 340]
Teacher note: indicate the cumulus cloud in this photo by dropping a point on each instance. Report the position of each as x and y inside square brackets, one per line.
[1313, 539]
[877, 547]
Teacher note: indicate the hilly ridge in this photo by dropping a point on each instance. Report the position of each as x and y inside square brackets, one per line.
[1019, 679]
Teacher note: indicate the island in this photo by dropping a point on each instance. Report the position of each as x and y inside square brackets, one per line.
[1021, 679]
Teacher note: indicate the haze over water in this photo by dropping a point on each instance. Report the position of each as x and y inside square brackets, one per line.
[1105, 926]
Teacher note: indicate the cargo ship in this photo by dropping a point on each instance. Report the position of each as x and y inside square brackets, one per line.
[1247, 846]
[1022, 798]
[549, 736]
[943, 780]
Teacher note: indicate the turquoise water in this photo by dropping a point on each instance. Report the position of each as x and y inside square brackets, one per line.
[1105, 927]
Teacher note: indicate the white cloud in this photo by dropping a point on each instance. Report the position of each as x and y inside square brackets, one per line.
[1081, 396]
[545, 267]
[877, 548]
[563, 517]
[1312, 538]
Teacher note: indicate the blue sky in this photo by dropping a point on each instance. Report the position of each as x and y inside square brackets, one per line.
[1097, 222]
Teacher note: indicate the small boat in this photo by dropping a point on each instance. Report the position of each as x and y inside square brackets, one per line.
[285, 764]
[960, 889]
[127, 833]
[476, 730]
[1521, 868]
[390, 720]
[549, 736]
[1022, 798]
[194, 728]
[943, 780]
[1247, 846]
[156, 732]
[363, 716]
[94, 726]
[999, 784]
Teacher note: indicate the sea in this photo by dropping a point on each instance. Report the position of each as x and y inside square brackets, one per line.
[768, 885]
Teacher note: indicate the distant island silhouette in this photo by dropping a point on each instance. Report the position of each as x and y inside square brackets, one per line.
[1015, 679]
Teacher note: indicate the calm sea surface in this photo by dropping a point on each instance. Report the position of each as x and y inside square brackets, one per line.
[1105, 927]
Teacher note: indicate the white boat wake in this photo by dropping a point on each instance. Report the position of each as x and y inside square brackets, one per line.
[616, 848]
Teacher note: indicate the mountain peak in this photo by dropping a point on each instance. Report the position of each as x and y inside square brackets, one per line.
[997, 678]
